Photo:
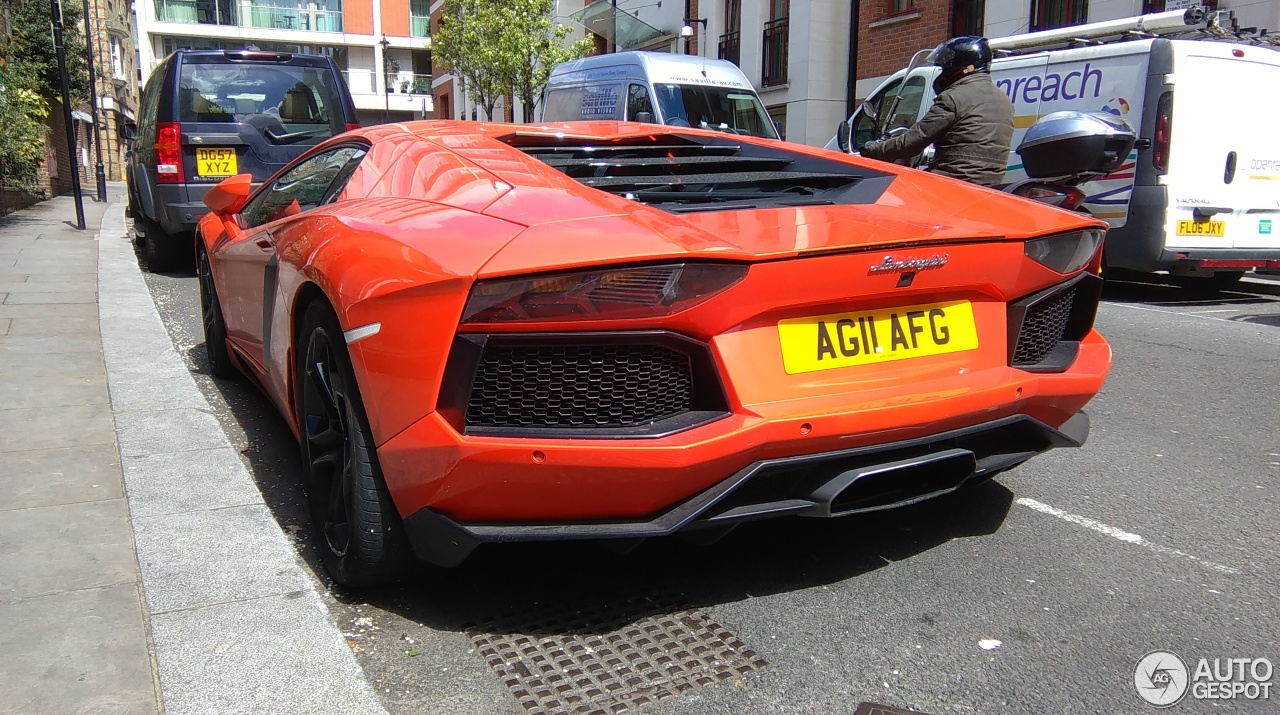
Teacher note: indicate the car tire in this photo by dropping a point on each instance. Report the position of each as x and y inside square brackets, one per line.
[215, 327]
[359, 533]
[164, 252]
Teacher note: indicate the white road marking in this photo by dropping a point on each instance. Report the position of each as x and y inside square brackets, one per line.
[1149, 309]
[1122, 535]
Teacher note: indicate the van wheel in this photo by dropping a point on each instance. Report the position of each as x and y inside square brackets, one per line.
[360, 536]
[164, 252]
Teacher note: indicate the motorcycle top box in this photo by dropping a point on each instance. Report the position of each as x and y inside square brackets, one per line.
[1072, 142]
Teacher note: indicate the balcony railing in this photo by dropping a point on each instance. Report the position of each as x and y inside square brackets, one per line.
[419, 26]
[776, 45]
[293, 18]
[406, 83]
[360, 81]
[731, 46]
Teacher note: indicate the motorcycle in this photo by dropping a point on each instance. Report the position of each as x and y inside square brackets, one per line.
[1059, 153]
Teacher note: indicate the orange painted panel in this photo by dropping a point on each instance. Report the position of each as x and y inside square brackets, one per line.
[357, 17]
[395, 18]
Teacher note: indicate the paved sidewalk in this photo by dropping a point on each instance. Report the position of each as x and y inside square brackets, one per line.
[73, 634]
[172, 589]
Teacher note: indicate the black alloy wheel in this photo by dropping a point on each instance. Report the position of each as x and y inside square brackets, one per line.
[215, 328]
[351, 510]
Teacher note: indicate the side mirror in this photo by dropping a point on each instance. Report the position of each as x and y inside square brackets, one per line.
[229, 195]
[868, 110]
[843, 132]
[129, 132]
[643, 117]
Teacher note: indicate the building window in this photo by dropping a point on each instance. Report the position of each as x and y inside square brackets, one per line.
[1052, 14]
[731, 40]
[776, 44]
[968, 17]
[117, 59]
[420, 18]
[901, 6]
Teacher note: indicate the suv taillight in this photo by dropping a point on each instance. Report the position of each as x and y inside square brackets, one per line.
[352, 126]
[1164, 131]
[168, 153]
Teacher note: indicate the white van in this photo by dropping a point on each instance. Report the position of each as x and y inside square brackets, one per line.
[1200, 193]
[677, 90]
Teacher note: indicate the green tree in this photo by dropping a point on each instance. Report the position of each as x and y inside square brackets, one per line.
[536, 44]
[468, 42]
[500, 48]
[22, 114]
[29, 45]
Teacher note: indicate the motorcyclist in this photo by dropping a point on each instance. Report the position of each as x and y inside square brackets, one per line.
[970, 123]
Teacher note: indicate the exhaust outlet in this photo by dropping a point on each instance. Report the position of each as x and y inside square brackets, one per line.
[895, 484]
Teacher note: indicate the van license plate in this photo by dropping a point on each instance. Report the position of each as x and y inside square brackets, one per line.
[1202, 228]
[216, 162]
[829, 341]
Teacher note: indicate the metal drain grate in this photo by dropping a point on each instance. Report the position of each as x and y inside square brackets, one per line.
[609, 657]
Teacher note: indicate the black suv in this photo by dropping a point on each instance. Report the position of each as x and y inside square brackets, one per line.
[210, 114]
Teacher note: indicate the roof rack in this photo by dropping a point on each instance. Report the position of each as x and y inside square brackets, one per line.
[1094, 33]
[1193, 23]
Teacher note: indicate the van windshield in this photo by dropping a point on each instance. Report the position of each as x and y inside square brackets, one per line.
[281, 101]
[719, 108]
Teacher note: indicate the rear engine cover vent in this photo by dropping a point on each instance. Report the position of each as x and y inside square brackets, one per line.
[682, 173]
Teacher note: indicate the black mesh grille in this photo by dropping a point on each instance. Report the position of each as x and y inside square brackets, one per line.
[1043, 327]
[575, 386]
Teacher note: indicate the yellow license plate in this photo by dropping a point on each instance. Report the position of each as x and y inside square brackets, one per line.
[844, 339]
[1202, 228]
[216, 162]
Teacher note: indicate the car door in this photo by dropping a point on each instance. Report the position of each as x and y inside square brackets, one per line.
[248, 266]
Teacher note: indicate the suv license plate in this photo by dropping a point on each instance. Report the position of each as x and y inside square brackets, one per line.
[216, 162]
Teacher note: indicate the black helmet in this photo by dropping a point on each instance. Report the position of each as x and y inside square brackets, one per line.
[956, 55]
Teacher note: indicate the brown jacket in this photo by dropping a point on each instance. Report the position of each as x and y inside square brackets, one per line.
[970, 126]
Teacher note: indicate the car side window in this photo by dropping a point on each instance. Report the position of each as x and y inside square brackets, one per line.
[864, 129]
[638, 102]
[303, 187]
[908, 108]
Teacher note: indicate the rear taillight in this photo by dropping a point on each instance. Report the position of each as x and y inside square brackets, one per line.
[1068, 198]
[1164, 131]
[352, 126]
[641, 292]
[168, 153]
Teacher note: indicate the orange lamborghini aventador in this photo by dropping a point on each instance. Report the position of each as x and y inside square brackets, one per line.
[487, 333]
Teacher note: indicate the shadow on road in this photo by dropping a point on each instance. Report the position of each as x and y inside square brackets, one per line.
[753, 560]
[1167, 291]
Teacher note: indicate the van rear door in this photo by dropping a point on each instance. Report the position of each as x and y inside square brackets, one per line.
[1224, 155]
[253, 112]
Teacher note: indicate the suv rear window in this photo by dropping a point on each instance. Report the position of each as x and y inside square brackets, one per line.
[278, 99]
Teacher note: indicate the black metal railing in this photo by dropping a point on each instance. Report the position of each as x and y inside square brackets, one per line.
[731, 47]
[776, 41]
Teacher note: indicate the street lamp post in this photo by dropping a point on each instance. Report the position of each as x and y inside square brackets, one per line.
[99, 174]
[386, 87]
[66, 112]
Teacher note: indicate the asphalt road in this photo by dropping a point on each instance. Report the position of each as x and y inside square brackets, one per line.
[1035, 593]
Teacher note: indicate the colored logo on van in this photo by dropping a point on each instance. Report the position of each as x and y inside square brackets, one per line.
[1264, 225]
[1118, 106]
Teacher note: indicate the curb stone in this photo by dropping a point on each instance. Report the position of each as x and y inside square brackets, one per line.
[236, 621]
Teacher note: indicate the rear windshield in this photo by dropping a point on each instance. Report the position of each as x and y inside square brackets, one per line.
[278, 99]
